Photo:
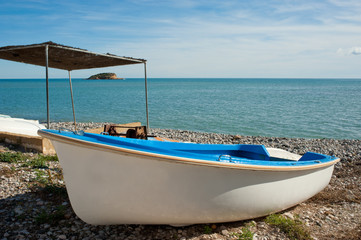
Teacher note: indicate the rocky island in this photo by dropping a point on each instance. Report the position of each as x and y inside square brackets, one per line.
[104, 76]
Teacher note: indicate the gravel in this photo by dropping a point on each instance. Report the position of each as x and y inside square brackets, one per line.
[30, 211]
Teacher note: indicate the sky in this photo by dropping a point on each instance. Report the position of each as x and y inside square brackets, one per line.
[189, 38]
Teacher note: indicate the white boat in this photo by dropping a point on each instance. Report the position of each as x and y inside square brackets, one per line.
[19, 126]
[115, 180]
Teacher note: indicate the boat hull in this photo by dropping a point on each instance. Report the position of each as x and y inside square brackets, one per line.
[108, 186]
[19, 126]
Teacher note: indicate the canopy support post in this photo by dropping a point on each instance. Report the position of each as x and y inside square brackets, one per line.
[146, 95]
[72, 100]
[47, 85]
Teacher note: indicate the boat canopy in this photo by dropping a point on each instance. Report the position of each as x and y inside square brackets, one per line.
[53, 55]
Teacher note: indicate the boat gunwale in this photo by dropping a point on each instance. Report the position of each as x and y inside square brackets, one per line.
[183, 160]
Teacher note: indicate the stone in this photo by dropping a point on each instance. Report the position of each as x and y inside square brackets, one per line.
[289, 215]
[18, 210]
[225, 232]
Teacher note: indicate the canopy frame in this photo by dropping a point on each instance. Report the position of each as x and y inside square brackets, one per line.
[53, 55]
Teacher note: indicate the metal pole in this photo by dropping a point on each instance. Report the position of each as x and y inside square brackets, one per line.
[47, 84]
[146, 95]
[72, 100]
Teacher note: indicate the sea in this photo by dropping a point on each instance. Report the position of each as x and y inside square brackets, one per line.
[296, 108]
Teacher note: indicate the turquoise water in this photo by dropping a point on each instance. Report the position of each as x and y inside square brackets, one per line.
[309, 108]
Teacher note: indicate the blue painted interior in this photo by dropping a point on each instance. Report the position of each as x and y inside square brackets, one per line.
[236, 153]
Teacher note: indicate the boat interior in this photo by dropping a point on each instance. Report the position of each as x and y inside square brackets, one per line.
[227, 153]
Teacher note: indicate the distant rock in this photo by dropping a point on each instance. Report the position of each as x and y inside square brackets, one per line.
[104, 76]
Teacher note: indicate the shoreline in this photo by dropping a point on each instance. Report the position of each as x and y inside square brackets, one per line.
[29, 211]
[348, 150]
[88, 125]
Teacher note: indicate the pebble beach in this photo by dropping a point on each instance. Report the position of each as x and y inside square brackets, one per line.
[30, 210]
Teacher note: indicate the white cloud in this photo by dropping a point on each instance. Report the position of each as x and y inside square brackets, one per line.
[349, 51]
[355, 50]
[346, 3]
